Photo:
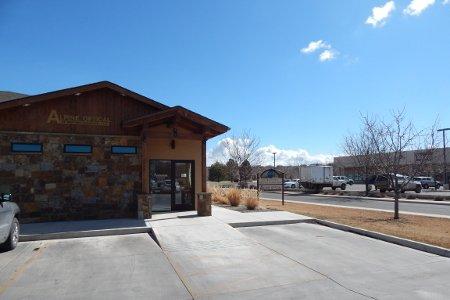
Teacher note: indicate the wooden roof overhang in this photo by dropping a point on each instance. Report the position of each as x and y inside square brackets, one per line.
[178, 116]
[79, 90]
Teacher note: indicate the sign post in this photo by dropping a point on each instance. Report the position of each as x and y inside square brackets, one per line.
[272, 179]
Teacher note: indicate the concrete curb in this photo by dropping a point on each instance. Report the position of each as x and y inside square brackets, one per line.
[266, 223]
[81, 234]
[388, 238]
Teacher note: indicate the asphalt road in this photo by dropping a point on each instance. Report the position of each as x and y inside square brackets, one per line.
[364, 203]
[430, 191]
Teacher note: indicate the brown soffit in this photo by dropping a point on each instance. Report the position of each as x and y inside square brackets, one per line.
[211, 128]
[81, 89]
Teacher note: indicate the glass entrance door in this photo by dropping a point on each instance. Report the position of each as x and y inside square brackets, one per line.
[161, 184]
[184, 187]
[172, 185]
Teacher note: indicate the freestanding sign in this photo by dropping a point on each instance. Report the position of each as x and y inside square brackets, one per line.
[271, 179]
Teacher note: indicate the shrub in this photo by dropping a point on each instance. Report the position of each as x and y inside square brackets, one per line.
[218, 195]
[251, 203]
[234, 197]
[410, 197]
[219, 199]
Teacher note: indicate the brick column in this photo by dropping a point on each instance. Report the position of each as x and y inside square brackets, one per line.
[144, 206]
[204, 204]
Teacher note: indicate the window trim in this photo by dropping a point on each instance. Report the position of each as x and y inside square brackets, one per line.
[28, 152]
[120, 146]
[71, 152]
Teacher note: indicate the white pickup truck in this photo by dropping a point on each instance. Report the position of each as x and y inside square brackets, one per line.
[339, 182]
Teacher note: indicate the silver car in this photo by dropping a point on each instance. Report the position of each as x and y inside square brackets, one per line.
[9, 224]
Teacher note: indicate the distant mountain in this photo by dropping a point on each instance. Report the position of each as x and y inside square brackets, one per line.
[6, 96]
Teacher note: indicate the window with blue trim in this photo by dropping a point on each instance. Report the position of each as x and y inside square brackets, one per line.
[123, 150]
[26, 147]
[77, 148]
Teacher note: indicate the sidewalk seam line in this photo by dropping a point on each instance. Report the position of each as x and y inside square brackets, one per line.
[316, 271]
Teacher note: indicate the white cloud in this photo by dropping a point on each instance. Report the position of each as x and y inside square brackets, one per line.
[380, 14]
[328, 55]
[283, 157]
[445, 2]
[416, 7]
[328, 52]
[315, 45]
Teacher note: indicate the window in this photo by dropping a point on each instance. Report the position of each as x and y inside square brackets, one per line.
[123, 150]
[26, 147]
[77, 149]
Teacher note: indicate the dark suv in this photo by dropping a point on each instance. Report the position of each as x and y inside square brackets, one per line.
[9, 224]
[428, 182]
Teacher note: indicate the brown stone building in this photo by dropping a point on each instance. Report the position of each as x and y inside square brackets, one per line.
[89, 151]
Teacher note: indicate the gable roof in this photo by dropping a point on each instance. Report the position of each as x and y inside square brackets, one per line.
[80, 89]
[7, 96]
[179, 114]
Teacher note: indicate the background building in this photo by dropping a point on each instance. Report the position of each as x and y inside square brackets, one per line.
[345, 165]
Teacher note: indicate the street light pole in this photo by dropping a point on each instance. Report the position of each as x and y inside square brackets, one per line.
[445, 156]
[274, 159]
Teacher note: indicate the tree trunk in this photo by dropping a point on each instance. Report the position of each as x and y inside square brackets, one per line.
[396, 202]
[366, 181]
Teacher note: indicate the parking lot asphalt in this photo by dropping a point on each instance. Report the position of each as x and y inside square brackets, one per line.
[205, 258]
[363, 203]
[112, 267]
[369, 268]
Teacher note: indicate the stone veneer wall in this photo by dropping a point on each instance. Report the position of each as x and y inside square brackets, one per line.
[55, 185]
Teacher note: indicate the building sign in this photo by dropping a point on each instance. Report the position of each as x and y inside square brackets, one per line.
[55, 117]
[271, 179]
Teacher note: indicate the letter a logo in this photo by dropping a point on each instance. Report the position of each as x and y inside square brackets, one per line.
[53, 117]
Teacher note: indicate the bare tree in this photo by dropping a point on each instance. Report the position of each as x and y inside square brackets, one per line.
[360, 148]
[390, 141]
[243, 148]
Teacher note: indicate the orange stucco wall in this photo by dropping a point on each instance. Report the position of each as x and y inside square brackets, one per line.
[159, 148]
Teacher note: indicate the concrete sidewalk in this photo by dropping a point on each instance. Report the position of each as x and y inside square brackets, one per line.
[216, 261]
[239, 219]
[90, 228]
[295, 261]
[85, 228]
[374, 268]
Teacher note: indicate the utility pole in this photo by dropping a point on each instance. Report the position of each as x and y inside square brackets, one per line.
[274, 159]
[445, 156]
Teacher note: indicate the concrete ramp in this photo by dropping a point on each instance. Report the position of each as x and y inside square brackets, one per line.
[214, 260]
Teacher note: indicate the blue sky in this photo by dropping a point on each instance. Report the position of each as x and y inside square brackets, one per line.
[241, 62]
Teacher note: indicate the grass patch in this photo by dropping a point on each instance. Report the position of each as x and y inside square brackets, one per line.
[434, 231]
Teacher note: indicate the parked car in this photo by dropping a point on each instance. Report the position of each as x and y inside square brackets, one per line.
[251, 185]
[347, 180]
[428, 182]
[339, 182]
[9, 224]
[406, 183]
[292, 184]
